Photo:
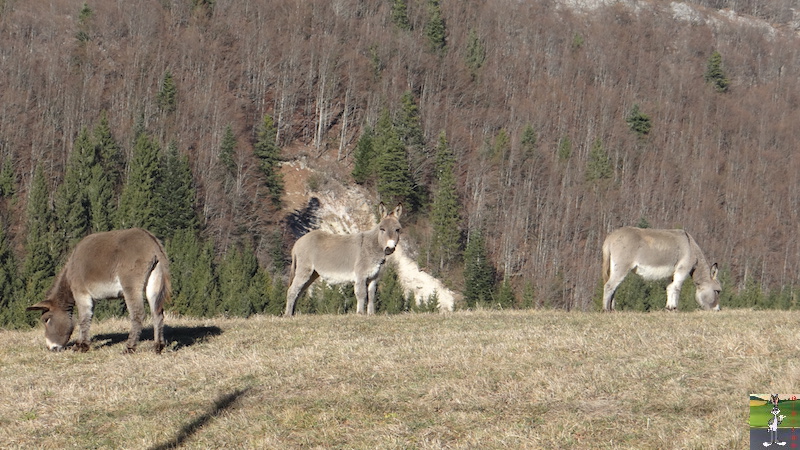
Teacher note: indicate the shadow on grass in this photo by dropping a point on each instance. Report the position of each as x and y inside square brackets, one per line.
[223, 403]
[176, 337]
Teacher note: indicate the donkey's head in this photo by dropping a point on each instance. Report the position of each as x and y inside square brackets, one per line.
[707, 291]
[57, 322]
[389, 228]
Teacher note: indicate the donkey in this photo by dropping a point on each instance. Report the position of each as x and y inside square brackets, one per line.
[102, 266]
[654, 255]
[344, 258]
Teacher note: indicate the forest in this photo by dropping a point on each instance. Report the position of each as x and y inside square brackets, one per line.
[517, 133]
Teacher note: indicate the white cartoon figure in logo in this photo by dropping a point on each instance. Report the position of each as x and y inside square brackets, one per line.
[773, 423]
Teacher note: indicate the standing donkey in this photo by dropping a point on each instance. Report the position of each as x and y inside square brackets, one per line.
[654, 255]
[344, 258]
[108, 265]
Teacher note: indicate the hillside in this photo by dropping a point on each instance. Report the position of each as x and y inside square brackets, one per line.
[471, 379]
[722, 165]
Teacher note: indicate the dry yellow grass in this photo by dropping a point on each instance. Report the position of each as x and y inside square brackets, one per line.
[522, 379]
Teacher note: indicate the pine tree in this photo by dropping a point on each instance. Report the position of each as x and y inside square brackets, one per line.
[227, 150]
[527, 143]
[8, 179]
[269, 158]
[564, 148]
[391, 298]
[478, 272]
[435, 29]
[237, 271]
[400, 15]
[105, 177]
[445, 211]
[195, 289]
[638, 121]
[168, 94]
[364, 158]
[73, 209]
[714, 73]
[599, 165]
[137, 204]
[505, 296]
[394, 183]
[476, 53]
[409, 129]
[39, 266]
[175, 197]
[12, 305]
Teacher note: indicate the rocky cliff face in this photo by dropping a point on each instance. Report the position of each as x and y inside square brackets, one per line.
[334, 207]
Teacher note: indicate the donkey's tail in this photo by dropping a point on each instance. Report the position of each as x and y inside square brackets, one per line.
[292, 268]
[606, 262]
[165, 291]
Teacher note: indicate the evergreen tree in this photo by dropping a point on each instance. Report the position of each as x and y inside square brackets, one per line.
[476, 53]
[237, 272]
[599, 165]
[445, 212]
[12, 304]
[227, 150]
[168, 94]
[8, 179]
[564, 148]
[269, 157]
[395, 183]
[138, 203]
[195, 290]
[400, 15]
[73, 210]
[105, 177]
[82, 35]
[391, 298]
[714, 73]
[638, 121]
[435, 29]
[175, 195]
[478, 272]
[409, 129]
[39, 266]
[527, 143]
[505, 296]
[364, 158]
[529, 296]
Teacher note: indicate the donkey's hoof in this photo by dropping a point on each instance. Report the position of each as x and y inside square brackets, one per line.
[129, 350]
[159, 347]
[82, 347]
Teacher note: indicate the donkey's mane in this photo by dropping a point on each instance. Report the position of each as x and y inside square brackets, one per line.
[702, 268]
[60, 294]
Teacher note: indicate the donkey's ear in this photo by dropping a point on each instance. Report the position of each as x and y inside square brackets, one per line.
[43, 306]
[382, 210]
[714, 271]
[398, 210]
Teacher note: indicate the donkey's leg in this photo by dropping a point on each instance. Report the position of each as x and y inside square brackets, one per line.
[301, 280]
[674, 289]
[610, 288]
[135, 304]
[155, 299]
[84, 303]
[360, 288]
[371, 288]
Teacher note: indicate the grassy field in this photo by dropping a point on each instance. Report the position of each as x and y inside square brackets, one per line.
[521, 379]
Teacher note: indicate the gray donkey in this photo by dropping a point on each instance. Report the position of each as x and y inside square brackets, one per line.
[344, 258]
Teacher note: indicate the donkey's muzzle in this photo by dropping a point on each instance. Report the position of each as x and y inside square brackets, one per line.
[388, 251]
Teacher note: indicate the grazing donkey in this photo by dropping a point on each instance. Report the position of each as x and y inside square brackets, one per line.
[344, 258]
[108, 265]
[654, 255]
